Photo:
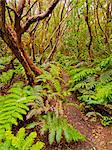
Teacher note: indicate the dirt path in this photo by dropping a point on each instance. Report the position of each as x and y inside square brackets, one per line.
[98, 137]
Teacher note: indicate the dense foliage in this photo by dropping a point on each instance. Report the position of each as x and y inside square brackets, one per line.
[20, 141]
[94, 84]
[50, 52]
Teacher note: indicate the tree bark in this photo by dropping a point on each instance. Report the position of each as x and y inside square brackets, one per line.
[12, 37]
[8, 39]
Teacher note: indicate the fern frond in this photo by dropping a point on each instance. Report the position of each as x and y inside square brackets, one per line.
[51, 136]
[68, 134]
[29, 141]
[94, 84]
[20, 141]
[13, 106]
[104, 64]
[38, 146]
[59, 132]
[58, 126]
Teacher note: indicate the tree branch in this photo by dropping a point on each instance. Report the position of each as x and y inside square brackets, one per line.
[10, 17]
[11, 9]
[40, 16]
[29, 9]
[21, 6]
[2, 15]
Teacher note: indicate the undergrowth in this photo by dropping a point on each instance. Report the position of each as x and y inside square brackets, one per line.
[44, 99]
[94, 85]
[58, 127]
[50, 97]
[7, 76]
[14, 105]
[20, 142]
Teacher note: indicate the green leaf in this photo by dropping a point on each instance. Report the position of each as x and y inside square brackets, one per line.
[29, 141]
[59, 134]
[38, 146]
[57, 85]
[31, 125]
[51, 136]
[67, 134]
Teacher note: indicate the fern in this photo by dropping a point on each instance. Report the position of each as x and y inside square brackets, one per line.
[18, 69]
[20, 141]
[94, 85]
[57, 127]
[106, 120]
[106, 76]
[104, 93]
[83, 74]
[105, 64]
[66, 61]
[4, 60]
[51, 82]
[13, 106]
[6, 76]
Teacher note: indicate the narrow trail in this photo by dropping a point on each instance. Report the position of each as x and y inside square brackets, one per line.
[98, 137]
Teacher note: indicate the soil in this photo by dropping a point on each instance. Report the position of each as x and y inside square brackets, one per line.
[98, 137]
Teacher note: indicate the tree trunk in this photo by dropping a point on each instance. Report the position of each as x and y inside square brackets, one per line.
[8, 39]
[12, 37]
[21, 55]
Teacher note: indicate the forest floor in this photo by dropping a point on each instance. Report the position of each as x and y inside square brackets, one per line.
[98, 137]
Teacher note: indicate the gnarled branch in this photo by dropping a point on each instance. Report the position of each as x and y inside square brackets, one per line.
[40, 16]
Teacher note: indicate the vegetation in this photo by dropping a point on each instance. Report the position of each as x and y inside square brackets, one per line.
[20, 141]
[55, 57]
[94, 84]
[13, 106]
[58, 126]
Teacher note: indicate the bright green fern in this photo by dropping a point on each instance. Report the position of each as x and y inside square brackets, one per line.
[94, 85]
[20, 141]
[14, 105]
[57, 127]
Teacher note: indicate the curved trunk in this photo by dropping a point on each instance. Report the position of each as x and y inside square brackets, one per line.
[12, 37]
[8, 39]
